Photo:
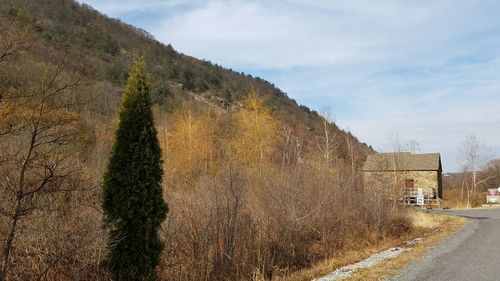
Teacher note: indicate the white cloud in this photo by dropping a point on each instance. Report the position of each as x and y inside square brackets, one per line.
[427, 69]
[280, 34]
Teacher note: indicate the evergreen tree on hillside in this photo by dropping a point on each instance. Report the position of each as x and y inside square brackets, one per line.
[133, 202]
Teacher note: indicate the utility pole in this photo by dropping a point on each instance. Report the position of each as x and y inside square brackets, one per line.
[413, 146]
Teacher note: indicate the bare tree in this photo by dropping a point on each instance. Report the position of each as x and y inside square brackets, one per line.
[492, 172]
[39, 159]
[394, 141]
[351, 153]
[230, 197]
[465, 186]
[398, 160]
[473, 156]
[291, 147]
[11, 40]
[327, 145]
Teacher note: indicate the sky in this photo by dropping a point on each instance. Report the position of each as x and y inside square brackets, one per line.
[389, 70]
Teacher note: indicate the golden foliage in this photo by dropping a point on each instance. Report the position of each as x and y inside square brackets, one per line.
[195, 143]
[255, 138]
[189, 149]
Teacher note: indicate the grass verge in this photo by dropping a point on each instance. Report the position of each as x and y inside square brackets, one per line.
[433, 228]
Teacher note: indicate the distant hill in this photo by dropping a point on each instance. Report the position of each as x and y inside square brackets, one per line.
[100, 49]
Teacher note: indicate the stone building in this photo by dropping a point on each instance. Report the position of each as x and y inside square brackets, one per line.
[405, 172]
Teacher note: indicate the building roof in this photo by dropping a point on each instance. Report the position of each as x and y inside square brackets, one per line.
[403, 161]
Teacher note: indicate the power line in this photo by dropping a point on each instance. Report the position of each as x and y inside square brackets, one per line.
[413, 146]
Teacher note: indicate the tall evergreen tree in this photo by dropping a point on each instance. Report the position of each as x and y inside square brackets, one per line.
[133, 201]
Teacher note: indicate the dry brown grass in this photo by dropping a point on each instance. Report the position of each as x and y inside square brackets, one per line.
[433, 227]
[429, 221]
[454, 199]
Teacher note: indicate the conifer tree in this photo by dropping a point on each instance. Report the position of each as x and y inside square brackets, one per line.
[133, 202]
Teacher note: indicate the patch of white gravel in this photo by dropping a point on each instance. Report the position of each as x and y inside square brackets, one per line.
[348, 270]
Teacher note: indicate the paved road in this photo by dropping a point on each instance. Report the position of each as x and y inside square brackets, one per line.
[471, 254]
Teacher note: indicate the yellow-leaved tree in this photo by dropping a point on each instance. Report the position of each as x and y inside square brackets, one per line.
[255, 134]
[190, 145]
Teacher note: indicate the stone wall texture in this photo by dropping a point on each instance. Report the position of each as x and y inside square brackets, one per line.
[395, 180]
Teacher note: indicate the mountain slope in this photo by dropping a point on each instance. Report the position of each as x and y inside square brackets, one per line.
[100, 49]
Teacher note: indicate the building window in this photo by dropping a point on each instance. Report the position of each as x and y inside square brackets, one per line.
[410, 184]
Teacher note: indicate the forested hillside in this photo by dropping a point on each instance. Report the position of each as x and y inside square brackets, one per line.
[257, 186]
[101, 49]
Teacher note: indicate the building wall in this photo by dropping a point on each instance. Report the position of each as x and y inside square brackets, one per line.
[395, 180]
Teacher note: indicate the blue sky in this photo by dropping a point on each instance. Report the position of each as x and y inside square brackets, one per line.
[420, 70]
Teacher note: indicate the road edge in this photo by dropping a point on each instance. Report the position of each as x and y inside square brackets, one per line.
[389, 270]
